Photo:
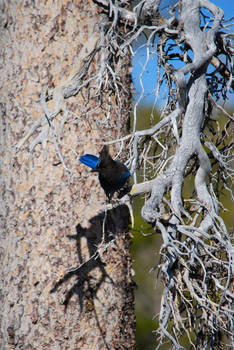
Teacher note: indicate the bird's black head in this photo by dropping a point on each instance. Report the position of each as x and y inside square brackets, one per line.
[105, 158]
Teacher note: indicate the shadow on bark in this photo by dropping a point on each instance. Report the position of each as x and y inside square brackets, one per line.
[104, 231]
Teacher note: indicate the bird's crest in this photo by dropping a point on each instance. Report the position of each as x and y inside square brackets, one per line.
[105, 158]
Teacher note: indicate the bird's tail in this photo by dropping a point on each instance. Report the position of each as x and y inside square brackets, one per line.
[90, 160]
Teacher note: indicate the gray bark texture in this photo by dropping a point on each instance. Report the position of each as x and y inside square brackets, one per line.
[66, 276]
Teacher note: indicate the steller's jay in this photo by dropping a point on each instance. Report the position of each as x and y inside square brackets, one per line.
[112, 174]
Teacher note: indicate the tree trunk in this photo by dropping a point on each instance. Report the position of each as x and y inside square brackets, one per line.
[53, 215]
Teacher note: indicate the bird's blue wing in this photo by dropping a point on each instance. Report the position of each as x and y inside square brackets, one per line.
[125, 175]
[90, 160]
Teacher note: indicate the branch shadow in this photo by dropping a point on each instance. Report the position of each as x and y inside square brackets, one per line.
[104, 228]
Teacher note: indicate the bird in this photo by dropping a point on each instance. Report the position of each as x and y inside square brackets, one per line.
[112, 174]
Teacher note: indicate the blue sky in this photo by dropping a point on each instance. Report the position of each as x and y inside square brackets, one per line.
[150, 74]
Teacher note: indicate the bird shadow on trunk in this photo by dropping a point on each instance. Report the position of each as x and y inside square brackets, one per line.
[92, 244]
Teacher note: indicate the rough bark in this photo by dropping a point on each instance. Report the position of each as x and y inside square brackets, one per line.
[53, 216]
